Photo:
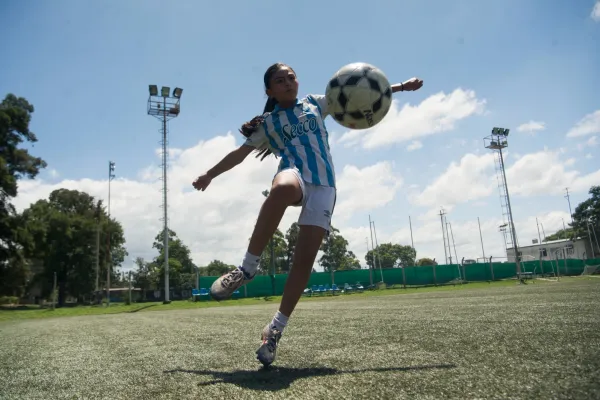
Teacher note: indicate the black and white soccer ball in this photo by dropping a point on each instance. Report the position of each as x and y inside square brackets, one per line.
[359, 96]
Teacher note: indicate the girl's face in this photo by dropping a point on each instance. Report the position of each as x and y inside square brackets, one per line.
[283, 86]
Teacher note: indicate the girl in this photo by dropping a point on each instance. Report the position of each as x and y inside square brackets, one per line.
[295, 131]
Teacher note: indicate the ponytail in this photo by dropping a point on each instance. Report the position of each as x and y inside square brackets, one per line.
[270, 105]
[251, 126]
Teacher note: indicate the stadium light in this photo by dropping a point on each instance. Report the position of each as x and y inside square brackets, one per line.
[497, 141]
[111, 176]
[164, 108]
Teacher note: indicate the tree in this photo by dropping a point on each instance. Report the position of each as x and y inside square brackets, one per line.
[145, 276]
[426, 262]
[336, 256]
[560, 234]
[215, 268]
[177, 250]
[280, 253]
[182, 270]
[15, 163]
[588, 211]
[61, 232]
[391, 256]
[586, 219]
[291, 237]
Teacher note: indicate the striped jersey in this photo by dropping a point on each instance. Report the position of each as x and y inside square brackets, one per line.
[298, 136]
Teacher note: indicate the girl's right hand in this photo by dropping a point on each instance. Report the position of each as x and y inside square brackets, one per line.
[202, 182]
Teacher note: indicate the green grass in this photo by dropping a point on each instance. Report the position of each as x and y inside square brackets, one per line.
[504, 340]
[7, 314]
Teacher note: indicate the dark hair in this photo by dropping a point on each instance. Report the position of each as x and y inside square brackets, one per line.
[250, 127]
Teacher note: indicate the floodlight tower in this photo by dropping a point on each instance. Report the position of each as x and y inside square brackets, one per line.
[164, 108]
[497, 141]
[111, 176]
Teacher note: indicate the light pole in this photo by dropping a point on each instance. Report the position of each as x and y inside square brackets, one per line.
[497, 141]
[111, 176]
[164, 108]
[266, 194]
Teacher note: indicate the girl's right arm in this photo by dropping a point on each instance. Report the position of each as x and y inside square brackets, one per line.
[232, 159]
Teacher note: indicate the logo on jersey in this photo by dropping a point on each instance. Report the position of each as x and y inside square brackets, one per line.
[291, 132]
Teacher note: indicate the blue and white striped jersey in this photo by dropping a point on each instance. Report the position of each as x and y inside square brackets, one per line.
[298, 136]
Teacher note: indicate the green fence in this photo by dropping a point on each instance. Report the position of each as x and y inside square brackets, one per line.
[262, 285]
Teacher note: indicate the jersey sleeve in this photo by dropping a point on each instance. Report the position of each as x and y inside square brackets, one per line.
[258, 139]
[321, 102]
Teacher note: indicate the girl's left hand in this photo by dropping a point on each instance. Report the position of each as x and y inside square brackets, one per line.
[412, 84]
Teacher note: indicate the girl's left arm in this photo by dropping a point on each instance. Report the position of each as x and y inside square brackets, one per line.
[410, 85]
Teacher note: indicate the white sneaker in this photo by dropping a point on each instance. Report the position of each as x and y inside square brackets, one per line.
[224, 287]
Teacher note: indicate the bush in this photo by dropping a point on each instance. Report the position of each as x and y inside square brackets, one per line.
[9, 300]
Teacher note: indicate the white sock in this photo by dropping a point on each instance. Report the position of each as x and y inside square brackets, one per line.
[279, 321]
[250, 264]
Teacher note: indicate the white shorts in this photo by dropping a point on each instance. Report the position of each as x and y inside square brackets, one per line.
[317, 202]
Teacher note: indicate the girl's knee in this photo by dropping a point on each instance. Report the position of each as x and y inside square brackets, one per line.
[287, 191]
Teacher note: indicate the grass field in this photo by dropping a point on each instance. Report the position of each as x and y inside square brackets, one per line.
[501, 341]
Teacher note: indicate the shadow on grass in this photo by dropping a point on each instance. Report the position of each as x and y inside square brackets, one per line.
[141, 308]
[278, 378]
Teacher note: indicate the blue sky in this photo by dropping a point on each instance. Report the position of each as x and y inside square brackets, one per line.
[86, 66]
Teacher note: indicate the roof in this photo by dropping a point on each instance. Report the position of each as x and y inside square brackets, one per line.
[549, 242]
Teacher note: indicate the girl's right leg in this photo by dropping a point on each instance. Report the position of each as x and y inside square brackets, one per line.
[285, 191]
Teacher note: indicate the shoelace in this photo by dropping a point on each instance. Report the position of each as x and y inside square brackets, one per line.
[272, 340]
[232, 278]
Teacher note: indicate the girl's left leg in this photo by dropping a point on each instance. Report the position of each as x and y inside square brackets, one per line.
[305, 253]
[314, 222]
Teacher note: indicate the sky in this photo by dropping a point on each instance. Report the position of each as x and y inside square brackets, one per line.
[527, 65]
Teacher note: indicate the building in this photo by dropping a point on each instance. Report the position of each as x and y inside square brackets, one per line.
[553, 249]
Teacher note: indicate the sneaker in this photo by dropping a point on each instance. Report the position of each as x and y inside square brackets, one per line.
[224, 287]
[268, 349]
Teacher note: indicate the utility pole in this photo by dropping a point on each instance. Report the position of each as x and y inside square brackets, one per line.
[568, 197]
[377, 247]
[481, 238]
[372, 261]
[448, 237]
[412, 243]
[97, 266]
[443, 234]
[540, 251]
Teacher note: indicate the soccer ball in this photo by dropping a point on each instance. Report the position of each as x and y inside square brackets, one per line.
[358, 96]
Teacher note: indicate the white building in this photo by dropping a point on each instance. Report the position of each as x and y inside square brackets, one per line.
[553, 249]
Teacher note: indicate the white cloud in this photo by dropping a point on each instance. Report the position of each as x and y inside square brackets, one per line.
[414, 145]
[595, 14]
[436, 114]
[589, 156]
[466, 180]
[532, 127]
[544, 172]
[216, 223]
[592, 141]
[474, 178]
[53, 173]
[588, 125]
[364, 189]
